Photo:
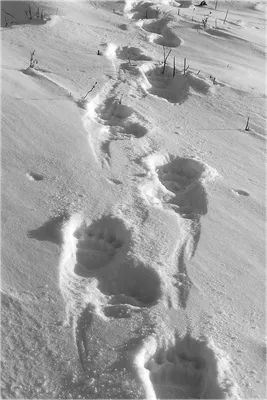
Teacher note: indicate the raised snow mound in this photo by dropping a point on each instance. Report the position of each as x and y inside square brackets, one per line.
[259, 6]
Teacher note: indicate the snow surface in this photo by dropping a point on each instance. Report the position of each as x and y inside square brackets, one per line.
[133, 201]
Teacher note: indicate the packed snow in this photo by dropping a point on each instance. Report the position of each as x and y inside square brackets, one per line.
[133, 199]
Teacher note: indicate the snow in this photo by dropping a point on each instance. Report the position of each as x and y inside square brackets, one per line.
[133, 200]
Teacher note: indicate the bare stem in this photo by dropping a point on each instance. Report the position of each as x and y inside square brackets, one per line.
[225, 16]
[247, 125]
[8, 13]
[165, 57]
[89, 91]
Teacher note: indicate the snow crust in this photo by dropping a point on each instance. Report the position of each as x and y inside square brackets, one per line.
[133, 199]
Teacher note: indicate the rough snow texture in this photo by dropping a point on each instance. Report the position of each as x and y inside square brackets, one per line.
[133, 200]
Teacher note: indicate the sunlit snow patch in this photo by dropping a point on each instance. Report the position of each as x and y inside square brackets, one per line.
[110, 53]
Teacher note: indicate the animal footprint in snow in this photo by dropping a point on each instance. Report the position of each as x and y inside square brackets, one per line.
[123, 120]
[179, 182]
[33, 176]
[240, 192]
[146, 10]
[181, 369]
[98, 243]
[189, 369]
[182, 373]
[112, 111]
[164, 35]
[175, 89]
[182, 177]
[131, 53]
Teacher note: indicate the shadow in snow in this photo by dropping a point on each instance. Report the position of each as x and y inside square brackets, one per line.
[50, 231]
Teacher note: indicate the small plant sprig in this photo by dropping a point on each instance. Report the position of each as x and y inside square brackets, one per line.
[33, 60]
[205, 20]
[146, 14]
[29, 12]
[247, 125]
[7, 22]
[213, 79]
[89, 91]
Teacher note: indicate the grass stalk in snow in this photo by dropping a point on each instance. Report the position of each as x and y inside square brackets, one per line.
[225, 16]
[8, 13]
[205, 20]
[29, 12]
[33, 60]
[247, 125]
[185, 67]
[89, 91]
[165, 58]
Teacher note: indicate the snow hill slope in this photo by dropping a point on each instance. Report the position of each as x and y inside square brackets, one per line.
[133, 200]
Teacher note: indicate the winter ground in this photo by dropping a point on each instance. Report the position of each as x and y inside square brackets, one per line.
[133, 240]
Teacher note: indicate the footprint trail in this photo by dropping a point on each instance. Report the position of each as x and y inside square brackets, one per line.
[100, 280]
[179, 184]
[115, 300]
[109, 116]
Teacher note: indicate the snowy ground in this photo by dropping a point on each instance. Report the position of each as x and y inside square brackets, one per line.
[133, 240]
